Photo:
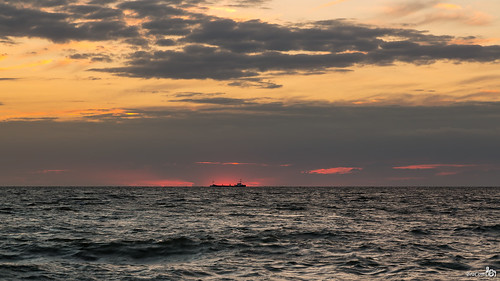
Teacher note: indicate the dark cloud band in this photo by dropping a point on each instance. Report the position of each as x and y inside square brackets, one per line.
[208, 47]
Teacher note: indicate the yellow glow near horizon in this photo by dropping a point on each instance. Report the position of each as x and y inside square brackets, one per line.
[448, 6]
[27, 65]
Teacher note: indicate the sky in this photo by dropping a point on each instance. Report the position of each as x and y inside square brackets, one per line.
[273, 92]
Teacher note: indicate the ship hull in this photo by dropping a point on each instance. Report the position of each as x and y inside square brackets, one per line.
[223, 185]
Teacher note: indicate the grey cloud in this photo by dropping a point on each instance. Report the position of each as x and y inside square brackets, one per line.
[308, 135]
[8, 79]
[217, 101]
[494, 94]
[169, 26]
[152, 9]
[255, 83]
[194, 94]
[166, 42]
[249, 3]
[42, 3]
[199, 62]
[328, 36]
[93, 12]
[425, 97]
[58, 26]
[224, 49]
[6, 40]
[415, 53]
[256, 36]
[101, 2]
[96, 57]
[137, 41]
[248, 49]
[29, 22]
[481, 79]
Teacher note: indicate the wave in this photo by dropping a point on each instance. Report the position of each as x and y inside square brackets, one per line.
[139, 250]
[444, 265]
[283, 236]
[419, 231]
[126, 250]
[6, 210]
[9, 271]
[480, 228]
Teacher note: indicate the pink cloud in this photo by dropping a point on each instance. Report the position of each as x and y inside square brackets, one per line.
[336, 170]
[241, 163]
[228, 163]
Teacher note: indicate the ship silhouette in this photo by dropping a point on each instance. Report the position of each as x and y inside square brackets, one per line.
[239, 184]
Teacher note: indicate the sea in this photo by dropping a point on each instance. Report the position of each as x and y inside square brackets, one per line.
[251, 233]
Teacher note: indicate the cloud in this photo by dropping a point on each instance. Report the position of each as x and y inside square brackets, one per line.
[223, 49]
[94, 57]
[481, 78]
[424, 12]
[405, 8]
[305, 135]
[60, 26]
[336, 170]
[51, 171]
[200, 62]
[217, 101]
[230, 163]
[443, 169]
[254, 83]
[249, 3]
[241, 52]
[93, 12]
[432, 166]
[424, 98]
[43, 3]
[6, 40]
[194, 94]
[473, 18]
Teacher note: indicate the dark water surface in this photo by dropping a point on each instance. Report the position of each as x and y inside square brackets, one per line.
[278, 233]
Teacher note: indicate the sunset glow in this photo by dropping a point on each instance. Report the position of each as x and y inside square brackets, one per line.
[277, 92]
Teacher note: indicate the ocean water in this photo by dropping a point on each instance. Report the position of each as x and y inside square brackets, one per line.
[259, 233]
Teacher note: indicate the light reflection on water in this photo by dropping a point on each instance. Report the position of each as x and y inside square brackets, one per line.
[261, 233]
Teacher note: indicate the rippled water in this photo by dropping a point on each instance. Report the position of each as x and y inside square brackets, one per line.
[279, 233]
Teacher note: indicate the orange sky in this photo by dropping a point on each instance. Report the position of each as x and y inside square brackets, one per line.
[141, 61]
